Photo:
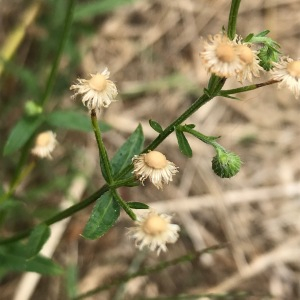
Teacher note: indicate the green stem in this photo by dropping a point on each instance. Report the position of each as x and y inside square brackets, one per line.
[234, 9]
[123, 204]
[157, 268]
[247, 88]
[60, 216]
[65, 31]
[216, 87]
[104, 160]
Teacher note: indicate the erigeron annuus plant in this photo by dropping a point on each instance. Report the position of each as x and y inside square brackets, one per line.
[225, 55]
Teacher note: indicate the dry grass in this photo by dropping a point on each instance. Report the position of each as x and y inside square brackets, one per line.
[257, 210]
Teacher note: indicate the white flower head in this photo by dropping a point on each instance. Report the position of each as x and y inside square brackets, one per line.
[250, 63]
[287, 71]
[220, 56]
[97, 92]
[155, 166]
[154, 230]
[45, 143]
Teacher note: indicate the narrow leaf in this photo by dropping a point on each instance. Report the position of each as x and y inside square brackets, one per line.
[73, 120]
[105, 213]
[132, 146]
[21, 133]
[183, 144]
[190, 126]
[37, 239]
[137, 205]
[156, 126]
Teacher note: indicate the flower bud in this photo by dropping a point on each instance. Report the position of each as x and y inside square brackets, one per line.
[226, 164]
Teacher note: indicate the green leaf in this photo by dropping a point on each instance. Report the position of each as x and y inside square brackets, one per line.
[104, 215]
[12, 258]
[156, 126]
[73, 120]
[37, 239]
[10, 204]
[132, 146]
[190, 126]
[183, 144]
[137, 205]
[263, 33]
[43, 265]
[248, 37]
[21, 133]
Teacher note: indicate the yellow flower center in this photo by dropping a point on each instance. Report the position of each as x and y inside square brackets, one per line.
[225, 53]
[43, 139]
[245, 54]
[154, 225]
[155, 160]
[293, 68]
[98, 83]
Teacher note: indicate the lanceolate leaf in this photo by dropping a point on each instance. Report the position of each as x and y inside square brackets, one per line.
[183, 144]
[156, 126]
[104, 215]
[21, 133]
[73, 120]
[137, 205]
[132, 146]
[37, 239]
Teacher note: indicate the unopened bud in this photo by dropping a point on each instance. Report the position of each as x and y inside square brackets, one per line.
[226, 164]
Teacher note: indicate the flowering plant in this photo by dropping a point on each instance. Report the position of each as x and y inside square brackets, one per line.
[225, 55]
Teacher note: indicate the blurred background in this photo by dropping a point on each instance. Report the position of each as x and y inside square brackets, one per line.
[152, 49]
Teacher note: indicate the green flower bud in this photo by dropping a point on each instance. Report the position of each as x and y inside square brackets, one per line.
[32, 109]
[226, 164]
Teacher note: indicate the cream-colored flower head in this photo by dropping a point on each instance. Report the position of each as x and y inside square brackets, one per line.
[44, 145]
[287, 71]
[220, 56]
[97, 92]
[155, 166]
[154, 230]
[250, 63]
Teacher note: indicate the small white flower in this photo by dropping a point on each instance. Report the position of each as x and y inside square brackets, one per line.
[155, 166]
[250, 62]
[45, 143]
[220, 56]
[154, 230]
[287, 71]
[97, 91]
